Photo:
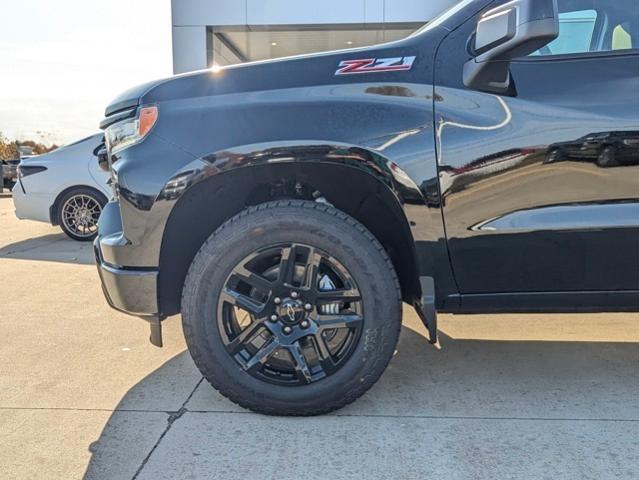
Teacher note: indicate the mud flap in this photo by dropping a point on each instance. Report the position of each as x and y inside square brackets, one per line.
[156, 331]
[427, 310]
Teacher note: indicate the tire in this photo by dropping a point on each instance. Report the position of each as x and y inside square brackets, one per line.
[318, 230]
[78, 213]
[607, 157]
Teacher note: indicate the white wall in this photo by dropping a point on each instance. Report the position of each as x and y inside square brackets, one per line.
[189, 49]
[190, 18]
[208, 12]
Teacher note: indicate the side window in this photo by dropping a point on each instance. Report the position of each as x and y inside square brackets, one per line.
[576, 30]
[587, 26]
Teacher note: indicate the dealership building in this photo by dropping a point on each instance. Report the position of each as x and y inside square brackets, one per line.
[224, 32]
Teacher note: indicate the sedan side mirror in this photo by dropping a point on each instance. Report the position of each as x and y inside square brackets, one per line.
[515, 29]
[103, 156]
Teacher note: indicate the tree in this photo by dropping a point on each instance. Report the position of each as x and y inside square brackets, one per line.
[9, 149]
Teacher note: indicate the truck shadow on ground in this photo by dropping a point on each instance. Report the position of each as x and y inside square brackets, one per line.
[467, 379]
[50, 248]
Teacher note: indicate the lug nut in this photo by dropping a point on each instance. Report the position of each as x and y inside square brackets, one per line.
[308, 307]
[273, 318]
[277, 300]
[287, 330]
[295, 294]
[305, 324]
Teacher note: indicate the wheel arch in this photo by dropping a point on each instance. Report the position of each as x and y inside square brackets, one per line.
[361, 183]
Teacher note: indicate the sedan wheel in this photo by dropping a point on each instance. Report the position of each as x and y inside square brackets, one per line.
[79, 213]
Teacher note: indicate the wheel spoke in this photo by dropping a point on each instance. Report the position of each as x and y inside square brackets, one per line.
[311, 268]
[344, 295]
[287, 265]
[253, 279]
[346, 320]
[324, 354]
[263, 354]
[242, 301]
[240, 342]
[301, 367]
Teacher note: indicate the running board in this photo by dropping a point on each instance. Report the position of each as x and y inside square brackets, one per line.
[427, 310]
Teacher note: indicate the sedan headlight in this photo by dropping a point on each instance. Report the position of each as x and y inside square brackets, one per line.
[131, 131]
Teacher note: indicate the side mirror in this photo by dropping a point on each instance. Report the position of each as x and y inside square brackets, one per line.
[103, 157]
[515, 29]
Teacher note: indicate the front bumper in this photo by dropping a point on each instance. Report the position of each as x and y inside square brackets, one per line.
[129, 290]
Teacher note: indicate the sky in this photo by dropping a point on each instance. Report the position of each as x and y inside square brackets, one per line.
[62, 61]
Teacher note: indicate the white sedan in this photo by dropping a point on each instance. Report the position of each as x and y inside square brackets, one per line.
[65, 187]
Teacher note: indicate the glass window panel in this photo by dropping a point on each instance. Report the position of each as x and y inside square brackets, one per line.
[575, 33]
[595, 26]
[232, 45]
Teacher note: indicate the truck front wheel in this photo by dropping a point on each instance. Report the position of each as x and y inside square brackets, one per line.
[291, 308]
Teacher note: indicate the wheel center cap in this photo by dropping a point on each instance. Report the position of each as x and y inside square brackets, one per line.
[291, 311]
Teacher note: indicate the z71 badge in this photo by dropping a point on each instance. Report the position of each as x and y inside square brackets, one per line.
[373, 65]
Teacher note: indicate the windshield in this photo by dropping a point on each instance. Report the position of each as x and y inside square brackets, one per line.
[441, 18]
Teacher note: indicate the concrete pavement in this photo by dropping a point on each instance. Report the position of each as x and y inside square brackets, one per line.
[83, 394]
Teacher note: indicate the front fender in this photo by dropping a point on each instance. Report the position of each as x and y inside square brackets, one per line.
[417, 211]
[145, 217]
[301, 152]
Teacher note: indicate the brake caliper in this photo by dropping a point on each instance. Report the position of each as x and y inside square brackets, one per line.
[326, 285]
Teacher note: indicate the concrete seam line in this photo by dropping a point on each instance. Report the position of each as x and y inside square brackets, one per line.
[444, 417]
[179, 413]
[78, 409]
[173, 416]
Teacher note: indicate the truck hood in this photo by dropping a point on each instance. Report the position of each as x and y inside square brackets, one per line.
[305, 70]
[131, 98]
[292, 72]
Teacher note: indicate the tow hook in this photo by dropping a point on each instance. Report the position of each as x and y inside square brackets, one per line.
[427, 310]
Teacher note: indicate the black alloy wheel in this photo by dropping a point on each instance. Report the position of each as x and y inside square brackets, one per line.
[290, 314]
[291, 308]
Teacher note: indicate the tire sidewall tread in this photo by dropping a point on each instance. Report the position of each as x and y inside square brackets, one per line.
[375, 347]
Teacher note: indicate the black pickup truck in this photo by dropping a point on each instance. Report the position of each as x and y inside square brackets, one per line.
[287, 208]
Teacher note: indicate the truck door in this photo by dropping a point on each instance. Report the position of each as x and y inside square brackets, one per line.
[540, 187]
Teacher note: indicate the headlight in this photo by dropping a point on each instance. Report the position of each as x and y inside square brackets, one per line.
[131, 131]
